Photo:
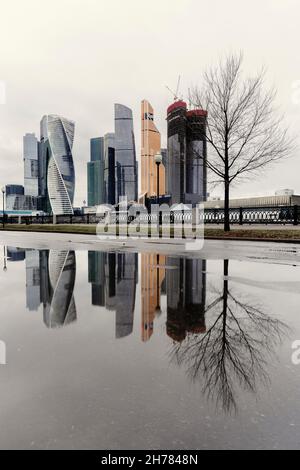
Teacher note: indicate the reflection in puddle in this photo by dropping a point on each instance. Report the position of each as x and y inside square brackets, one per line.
[219, 337]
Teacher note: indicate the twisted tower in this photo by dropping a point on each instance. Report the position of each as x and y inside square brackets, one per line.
[57, 135]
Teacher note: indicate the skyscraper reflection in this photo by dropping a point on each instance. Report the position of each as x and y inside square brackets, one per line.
[186, 286]
[114, 277]
[50, 279]
[32, 261]
[96, 276]
[59, 307]
[153, 275]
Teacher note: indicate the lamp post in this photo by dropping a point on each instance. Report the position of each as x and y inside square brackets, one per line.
[3, 193]
[4, 259]
[158, 161]
[158, 309]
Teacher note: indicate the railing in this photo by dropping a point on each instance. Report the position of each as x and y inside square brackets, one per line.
[255, 215]
[243, 215]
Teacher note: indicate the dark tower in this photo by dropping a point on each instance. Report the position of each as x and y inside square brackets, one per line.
[187, 152]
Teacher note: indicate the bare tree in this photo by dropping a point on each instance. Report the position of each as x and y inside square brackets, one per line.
[244, 132]
[234, 351]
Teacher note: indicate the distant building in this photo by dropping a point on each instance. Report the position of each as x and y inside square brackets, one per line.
[126, 171]
[262, 201]
[95, 172]
[284, 192]
[150, 146]
[16, 200]
[31, 165]
[186, 168]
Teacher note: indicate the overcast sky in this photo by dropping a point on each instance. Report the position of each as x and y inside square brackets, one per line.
[78, 57]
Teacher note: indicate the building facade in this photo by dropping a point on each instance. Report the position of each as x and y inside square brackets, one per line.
[56, 166]
[150, 146]
[31, 168]
[187, 153]
[126, 171]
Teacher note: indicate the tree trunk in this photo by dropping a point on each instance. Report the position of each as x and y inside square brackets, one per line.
[226, 207]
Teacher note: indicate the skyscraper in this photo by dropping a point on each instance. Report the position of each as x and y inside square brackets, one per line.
[56, 167]
[150, 146]
[186, 168]
[95, 172]
[31, 170]
[126, 175]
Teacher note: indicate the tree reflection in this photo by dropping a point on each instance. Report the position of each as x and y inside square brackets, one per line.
[235, 349]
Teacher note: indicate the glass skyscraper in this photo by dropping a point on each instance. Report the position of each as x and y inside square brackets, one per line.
[126, 176]
[56, 167]
[95, 172]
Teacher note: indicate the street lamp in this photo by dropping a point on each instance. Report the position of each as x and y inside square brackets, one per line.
[3, 193]
[158, 161]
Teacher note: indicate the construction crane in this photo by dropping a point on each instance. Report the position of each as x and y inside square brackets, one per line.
[175, 95]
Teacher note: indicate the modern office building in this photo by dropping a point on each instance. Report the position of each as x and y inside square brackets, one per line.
[187, 152]
[150, 146]
[109, 168]
[126, 171]
[95, 172]
[186, 296]
[56, 166]
[31, 166]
